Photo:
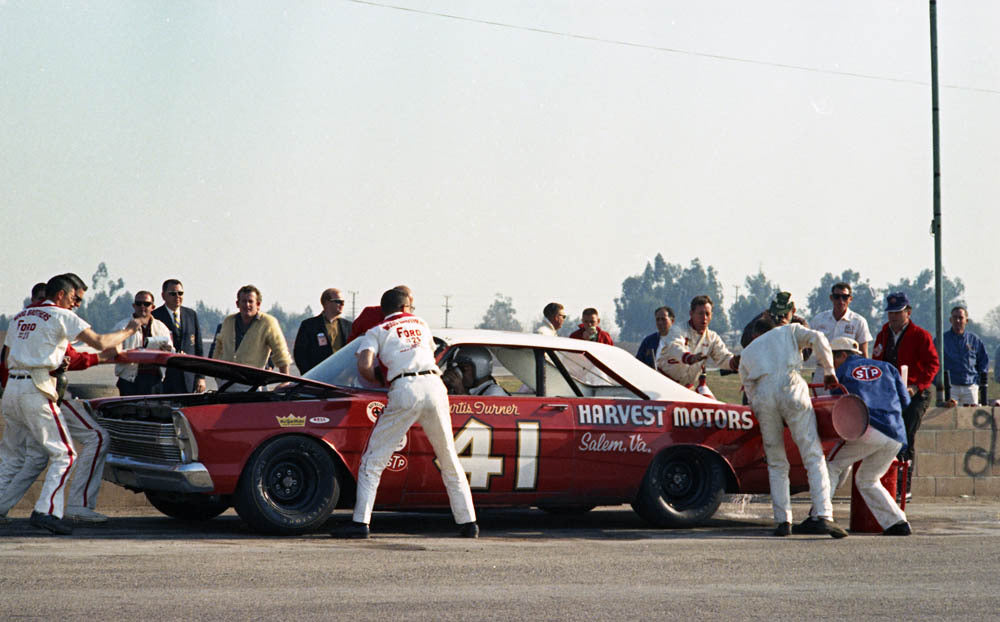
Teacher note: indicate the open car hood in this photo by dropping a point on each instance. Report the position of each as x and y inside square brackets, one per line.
[221, 370]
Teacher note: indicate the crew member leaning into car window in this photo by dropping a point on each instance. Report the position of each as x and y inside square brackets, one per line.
[769, 369]
[404, 345]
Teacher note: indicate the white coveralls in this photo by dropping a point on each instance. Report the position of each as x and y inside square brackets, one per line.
[88, 469]
[37, 338]
[876, 451]
[682, 342]
[769, 370]
[403, 343]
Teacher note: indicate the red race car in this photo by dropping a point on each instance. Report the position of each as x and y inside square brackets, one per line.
[564, 425]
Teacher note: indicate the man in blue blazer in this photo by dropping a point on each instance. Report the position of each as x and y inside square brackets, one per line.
[186, 335]
[322, 335]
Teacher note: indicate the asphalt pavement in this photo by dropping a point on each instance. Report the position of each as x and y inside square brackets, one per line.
[603, 565]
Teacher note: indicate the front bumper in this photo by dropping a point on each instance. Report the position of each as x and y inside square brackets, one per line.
[143, 475]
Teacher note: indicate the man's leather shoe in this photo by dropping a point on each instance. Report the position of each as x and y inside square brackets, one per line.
[783, 529]
[468, 530]
[902, 528]
[51, 523]
[352, 530]
[817, 526]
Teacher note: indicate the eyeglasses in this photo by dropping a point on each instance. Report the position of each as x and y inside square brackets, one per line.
[142, 303]
[336, 301]
[175, 294]
[840, 296]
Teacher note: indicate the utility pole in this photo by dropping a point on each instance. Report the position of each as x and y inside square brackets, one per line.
[936, 222]
[354, 309]
[447, 310]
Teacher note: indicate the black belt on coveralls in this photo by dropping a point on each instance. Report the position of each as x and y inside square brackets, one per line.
[406, 374]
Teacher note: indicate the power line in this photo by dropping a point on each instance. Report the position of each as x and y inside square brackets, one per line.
[658, 48]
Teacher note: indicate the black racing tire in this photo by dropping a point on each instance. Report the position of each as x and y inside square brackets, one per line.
[565, 510]
[683, 487]
[188, 506]
[289, 486]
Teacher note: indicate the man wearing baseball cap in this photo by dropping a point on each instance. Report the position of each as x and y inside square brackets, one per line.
[879, 385]
[903, 343]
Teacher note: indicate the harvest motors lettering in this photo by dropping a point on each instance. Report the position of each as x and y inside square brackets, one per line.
[619, 414]
[712, 418]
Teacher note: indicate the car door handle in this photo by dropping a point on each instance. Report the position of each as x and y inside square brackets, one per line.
[559, 407]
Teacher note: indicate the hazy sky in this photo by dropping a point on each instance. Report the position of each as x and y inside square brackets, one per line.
[542, 149]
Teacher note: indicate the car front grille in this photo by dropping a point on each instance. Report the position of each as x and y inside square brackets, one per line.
[142, 440]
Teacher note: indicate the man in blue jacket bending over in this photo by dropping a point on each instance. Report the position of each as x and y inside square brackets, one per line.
[879, 385]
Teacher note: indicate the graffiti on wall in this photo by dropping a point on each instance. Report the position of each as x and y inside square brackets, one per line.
[978, 460]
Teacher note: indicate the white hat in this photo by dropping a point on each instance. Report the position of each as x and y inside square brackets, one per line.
[845, 343]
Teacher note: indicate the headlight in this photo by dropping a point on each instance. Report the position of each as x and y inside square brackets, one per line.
[185, 437]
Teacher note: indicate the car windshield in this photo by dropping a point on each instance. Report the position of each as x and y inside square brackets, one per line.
[341, 369]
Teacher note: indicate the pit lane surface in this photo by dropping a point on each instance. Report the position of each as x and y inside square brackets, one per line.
[603, 565]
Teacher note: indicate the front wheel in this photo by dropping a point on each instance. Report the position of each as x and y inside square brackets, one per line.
[188, 506]
[682, 488]
[289, 486]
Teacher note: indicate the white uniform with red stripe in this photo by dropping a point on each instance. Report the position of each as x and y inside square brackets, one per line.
[404, 345]
[37, 338]
[675, 357]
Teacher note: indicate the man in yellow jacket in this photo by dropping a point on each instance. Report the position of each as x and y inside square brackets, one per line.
[251, 336]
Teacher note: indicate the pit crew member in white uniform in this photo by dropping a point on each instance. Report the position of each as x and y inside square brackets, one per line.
[404, 345]
[769, 369]
[89, 439]
[690, 343]
[36, 340]
[879, 385]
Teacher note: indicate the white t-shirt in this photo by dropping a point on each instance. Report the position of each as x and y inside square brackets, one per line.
[37, 336]
[403, 343]
[852, 325]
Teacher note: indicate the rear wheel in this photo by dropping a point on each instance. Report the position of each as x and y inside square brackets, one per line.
[683, 487]
[289, 486]
[188, 506]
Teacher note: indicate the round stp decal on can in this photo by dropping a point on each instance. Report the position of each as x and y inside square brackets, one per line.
[866, 373]
[318, 420]
[396, 463]
[374, 409]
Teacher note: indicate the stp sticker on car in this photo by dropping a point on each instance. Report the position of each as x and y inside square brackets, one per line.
[711, 418]
[374, 409]
[396, 463]
[618, 414]
[291, 421]
[319, 420]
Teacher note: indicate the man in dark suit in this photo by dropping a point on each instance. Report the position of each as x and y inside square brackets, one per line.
[321, 336]
[186, 335]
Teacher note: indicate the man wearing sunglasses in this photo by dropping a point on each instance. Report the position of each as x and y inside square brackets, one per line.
[841, 322]
[321, 336]
[186, 335]
[136, 379]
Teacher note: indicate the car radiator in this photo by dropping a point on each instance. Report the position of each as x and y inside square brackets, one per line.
[144, 440]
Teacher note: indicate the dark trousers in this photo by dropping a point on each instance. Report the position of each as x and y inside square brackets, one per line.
[144, 384]
[913, 415]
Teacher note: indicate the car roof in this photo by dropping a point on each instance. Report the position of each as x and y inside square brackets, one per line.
[653, 383]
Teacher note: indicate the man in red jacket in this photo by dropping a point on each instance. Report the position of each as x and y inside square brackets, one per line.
[901, 342]
[590, 329]
[370, 317]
